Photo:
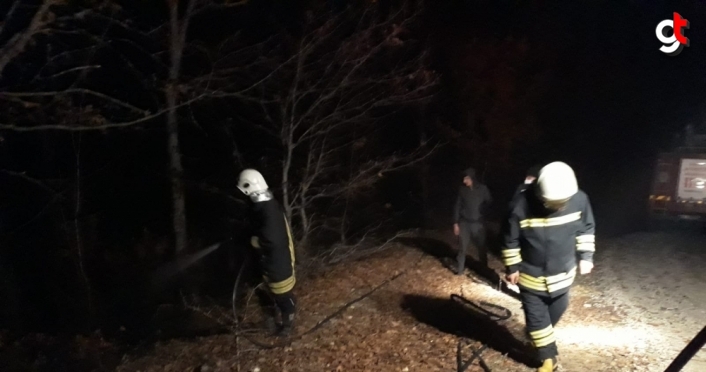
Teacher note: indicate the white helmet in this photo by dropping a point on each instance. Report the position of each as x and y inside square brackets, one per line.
[251, 182]
[557, 182]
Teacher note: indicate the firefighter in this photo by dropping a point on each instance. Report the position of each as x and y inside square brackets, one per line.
[550, 226]
[471, 204]
[272, 238]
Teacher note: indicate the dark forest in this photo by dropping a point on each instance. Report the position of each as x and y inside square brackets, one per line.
[124, 125]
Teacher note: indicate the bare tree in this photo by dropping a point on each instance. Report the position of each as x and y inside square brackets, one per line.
[78, 232]
[177, 43]
[52, 92]
[174, 92]
[64, 49]
[43, 108]
[324, 92]
[18, 43]
[319, 95]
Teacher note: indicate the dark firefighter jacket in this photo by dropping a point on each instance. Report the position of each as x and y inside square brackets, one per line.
[520, 189]
[273, 239]
[532, 172]
[543, 245]
[471, 202]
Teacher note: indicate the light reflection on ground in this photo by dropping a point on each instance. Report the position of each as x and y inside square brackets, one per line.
[607, 336]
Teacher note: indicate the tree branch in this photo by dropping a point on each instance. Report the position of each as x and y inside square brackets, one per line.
[9, 15]
[34, 181]
[68, 128]
[79, 91]
[17, 43]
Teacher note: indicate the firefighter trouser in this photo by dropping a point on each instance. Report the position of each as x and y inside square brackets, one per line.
[278, 304]
[284, 302]
[542, 313]
[471, 232]
[282, 292]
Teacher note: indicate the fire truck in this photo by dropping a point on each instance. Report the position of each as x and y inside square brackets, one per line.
[679, 184]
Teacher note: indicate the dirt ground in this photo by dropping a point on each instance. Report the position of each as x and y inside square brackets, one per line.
[643, 303]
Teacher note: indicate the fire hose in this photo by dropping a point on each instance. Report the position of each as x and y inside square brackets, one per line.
[319, 324]
[172, 268]
[500, 313]
[689, 351]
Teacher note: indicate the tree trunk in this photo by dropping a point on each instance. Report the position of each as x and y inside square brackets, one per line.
[304, 217]
[288, 129]
[343, 227]
[177, 40]
[78, 233]
[175, 172]
[285, 182]
[424, 176]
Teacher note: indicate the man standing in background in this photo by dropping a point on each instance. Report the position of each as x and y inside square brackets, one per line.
[469, 210]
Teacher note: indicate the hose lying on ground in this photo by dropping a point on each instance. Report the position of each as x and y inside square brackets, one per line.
[462, 366]
[689, 351]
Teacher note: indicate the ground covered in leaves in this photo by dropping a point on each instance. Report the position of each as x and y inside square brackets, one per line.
[643, 303]
[639, 308]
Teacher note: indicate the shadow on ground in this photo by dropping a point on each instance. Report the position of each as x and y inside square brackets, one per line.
[451, 317]
[446, 254]
[433, 247]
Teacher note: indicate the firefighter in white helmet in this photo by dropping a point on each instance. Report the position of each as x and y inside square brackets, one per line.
[550, 227]
[272, 238]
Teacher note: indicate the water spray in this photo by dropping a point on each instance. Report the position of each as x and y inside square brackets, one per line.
[171, 269]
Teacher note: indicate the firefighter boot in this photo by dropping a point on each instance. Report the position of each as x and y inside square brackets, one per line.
[270, 325]
[549, 365]
[287, 325]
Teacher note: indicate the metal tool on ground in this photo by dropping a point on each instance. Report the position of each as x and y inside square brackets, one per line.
[498, 313]
[462, 366]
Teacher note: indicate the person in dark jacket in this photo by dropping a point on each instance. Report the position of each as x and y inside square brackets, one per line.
[470, 208]
[550, 226]
[272, 238]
